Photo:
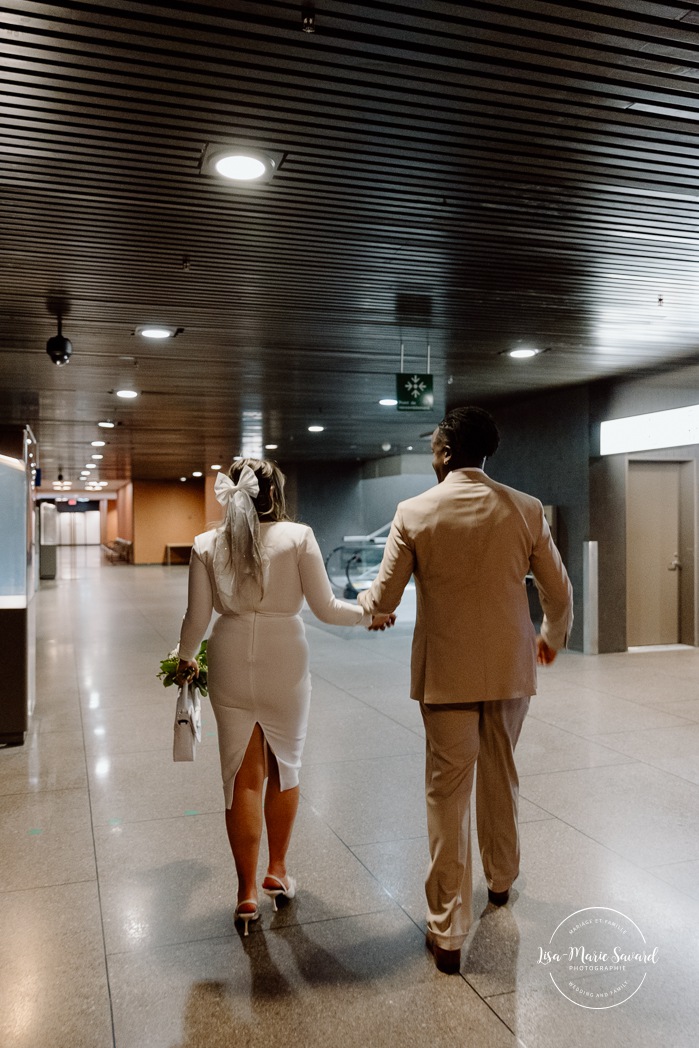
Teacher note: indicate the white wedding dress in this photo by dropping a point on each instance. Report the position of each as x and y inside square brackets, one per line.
[258, 655]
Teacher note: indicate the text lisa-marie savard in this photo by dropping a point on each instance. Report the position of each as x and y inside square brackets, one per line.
[581, 955]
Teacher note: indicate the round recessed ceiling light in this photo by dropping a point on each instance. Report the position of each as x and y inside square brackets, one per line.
[316, 429]
[126, 394]
[241, 167]
[156, 330]
[196, 473]
[90, 465]
[183, 479]
[106, 425]
[271, 447]
[523, 354]
[388, 402]
[217, 466]
[97, 443]
[240, 162]
[96, 457]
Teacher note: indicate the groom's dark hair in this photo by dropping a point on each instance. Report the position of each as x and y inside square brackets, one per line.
[471, 434]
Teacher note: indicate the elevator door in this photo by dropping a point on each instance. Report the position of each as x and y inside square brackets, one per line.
[79, 529]
[652, 553]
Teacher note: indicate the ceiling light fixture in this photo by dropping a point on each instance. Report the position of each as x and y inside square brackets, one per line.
[388, 402]
[240, 163]
[674, 428]
[217, 466]
[197, 473]
[316, 429]
[106, 425]
[271, 447]
[241, 167]
[97, 457]
[157, 330]
[523, 354]
[126, 394]
[97, 443]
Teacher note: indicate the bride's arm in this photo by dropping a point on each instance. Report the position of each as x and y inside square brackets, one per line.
[200, 605]
[318, 592]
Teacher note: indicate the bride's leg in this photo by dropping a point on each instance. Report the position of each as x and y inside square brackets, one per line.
[244, 817]
[280, 812]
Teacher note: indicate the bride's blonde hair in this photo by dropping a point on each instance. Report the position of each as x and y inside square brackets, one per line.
[270, 502]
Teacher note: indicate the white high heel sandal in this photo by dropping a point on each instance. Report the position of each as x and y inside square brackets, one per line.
[288, 893]
[246, 915]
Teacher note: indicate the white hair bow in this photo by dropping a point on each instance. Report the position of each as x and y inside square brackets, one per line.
[225, 489]
[238, 556]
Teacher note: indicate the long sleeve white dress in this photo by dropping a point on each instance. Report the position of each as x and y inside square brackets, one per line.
[258, 655]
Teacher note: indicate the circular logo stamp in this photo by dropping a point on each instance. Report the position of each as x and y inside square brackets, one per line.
[598, 957]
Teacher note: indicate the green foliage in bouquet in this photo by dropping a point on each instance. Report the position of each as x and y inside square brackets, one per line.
[168, 669]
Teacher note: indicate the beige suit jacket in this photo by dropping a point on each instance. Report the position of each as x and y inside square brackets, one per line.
[470, 542]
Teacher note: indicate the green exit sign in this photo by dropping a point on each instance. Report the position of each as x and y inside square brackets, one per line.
[414, 392]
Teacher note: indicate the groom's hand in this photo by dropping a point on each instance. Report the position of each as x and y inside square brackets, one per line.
[544, 654]
[380, 622]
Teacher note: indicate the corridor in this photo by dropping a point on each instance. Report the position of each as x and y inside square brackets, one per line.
[117, 888]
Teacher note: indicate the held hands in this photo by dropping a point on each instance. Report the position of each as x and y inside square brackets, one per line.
[544, 654]
[186, 671]
[381, 622]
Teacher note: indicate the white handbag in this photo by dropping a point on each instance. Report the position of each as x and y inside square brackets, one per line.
[187, 724]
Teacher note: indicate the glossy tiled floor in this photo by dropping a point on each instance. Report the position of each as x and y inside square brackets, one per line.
[116, 887]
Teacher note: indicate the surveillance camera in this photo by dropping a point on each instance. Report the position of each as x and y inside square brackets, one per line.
[59, 348]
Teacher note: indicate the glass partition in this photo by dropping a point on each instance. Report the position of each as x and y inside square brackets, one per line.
[353, 566]
[13, 533]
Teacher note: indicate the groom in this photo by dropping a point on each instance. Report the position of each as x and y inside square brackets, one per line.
[470, 542]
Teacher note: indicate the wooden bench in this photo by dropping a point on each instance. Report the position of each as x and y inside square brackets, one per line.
[170, 546]
[119, 549]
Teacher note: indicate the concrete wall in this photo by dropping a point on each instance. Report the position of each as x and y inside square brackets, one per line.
[544, 450]
[338, 499]
[326, 496]
[550, 448]
[386, 482]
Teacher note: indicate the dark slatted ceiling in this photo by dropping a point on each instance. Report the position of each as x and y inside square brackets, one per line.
[470, 177]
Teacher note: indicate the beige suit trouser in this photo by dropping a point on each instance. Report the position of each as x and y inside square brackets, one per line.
[460, 738]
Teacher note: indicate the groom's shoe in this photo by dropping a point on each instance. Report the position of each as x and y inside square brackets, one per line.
[498, 898]
[447, 961]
